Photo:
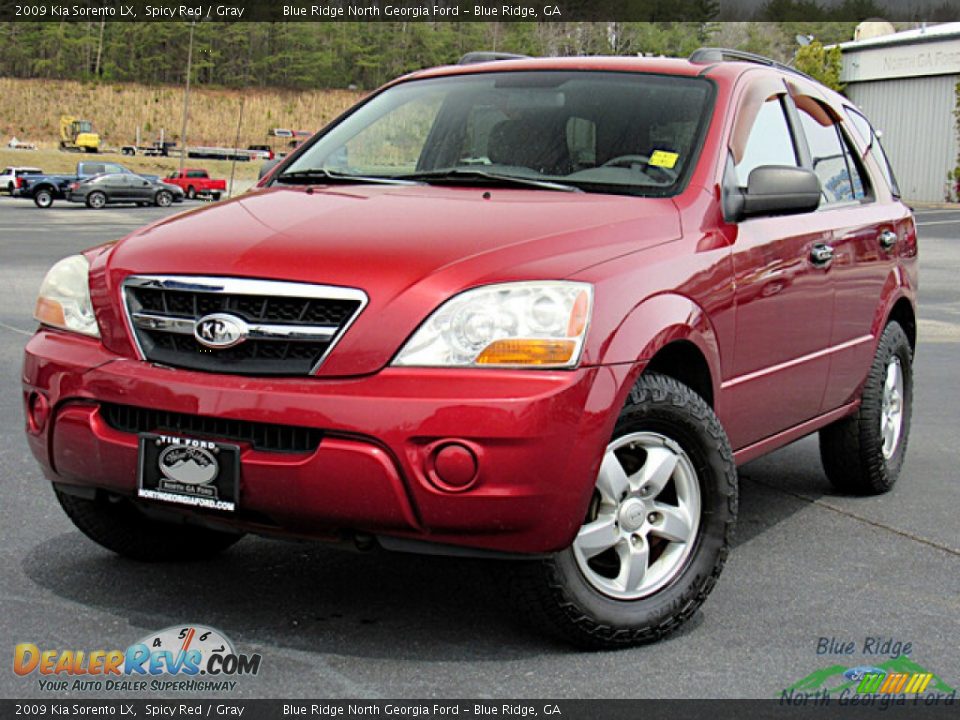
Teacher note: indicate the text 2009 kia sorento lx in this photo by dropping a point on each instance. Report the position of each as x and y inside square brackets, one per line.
[536, 307]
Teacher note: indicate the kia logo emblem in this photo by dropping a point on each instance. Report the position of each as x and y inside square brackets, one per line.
[220, 331]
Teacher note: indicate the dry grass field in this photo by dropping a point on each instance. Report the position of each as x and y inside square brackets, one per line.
[31, 110]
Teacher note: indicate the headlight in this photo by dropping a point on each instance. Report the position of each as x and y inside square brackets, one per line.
[64, 300]
[521, 324]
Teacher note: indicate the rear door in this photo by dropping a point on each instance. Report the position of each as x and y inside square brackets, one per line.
[117, 187]
[868, 227]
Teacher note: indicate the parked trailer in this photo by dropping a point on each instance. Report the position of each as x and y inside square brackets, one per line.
[221, 153]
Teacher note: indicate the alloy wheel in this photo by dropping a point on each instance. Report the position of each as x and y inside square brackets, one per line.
[643, 519]
[891, 408]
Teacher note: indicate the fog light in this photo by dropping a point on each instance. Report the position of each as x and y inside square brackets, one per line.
[454, 467]
[38, 410]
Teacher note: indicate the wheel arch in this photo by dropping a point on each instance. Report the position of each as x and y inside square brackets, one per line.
[671, 335]
[683, 361]
[903, 313]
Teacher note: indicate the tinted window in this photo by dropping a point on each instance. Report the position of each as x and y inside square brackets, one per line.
[603, 132]
[834, 164]
[869, 137]
[769, 142]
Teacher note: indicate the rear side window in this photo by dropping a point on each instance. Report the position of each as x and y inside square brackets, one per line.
[833, 162]
[769, 142]
[869, 136]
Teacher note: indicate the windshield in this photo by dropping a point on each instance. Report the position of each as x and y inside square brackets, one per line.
[594, 131]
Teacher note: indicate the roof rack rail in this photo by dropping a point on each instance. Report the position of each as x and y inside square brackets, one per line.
[708, 55]
[487, 56]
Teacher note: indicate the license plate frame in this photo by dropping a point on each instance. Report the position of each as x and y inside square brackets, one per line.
[188, 471]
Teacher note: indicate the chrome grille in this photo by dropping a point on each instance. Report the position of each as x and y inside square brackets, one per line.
[288, 328]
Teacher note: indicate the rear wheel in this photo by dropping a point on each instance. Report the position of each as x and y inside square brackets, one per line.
[215, 196]
[164, 198]
[863, 454]
[116, 524]
[191, 193]
[10, 188]
[96, 200]
[43, 198]
[657, 530]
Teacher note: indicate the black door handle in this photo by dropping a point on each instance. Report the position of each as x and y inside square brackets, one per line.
[821, 254]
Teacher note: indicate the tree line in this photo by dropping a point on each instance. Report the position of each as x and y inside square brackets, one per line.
[354, 54]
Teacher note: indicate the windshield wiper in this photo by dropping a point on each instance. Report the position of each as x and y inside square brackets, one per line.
[460, 174]
[305, 177]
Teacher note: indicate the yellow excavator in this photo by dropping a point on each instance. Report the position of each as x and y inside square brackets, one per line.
[78, 135]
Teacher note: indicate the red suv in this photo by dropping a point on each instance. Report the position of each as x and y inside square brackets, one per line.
[536, 309]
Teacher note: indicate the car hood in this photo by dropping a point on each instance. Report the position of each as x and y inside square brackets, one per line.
[408, 247]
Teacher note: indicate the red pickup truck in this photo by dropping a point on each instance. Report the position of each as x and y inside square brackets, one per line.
[196, 182]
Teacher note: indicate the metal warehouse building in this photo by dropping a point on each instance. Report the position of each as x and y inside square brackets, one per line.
[906, 84]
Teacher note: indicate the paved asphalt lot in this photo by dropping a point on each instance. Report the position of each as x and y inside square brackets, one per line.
[807, 562]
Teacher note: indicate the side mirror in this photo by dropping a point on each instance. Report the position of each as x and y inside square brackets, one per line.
[778, 190]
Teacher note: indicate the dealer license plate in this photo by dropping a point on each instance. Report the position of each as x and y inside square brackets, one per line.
[188, 471]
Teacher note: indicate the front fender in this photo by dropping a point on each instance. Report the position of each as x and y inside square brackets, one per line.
[658, 321]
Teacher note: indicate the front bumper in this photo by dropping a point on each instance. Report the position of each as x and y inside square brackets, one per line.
[538, 438]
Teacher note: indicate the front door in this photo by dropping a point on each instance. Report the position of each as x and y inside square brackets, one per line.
[784, 300]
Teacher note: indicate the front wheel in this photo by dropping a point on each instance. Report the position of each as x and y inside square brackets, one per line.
[656, 532]
[43, 199]
[164, 199]
[117, 525]
[191, 193]
[863, 454]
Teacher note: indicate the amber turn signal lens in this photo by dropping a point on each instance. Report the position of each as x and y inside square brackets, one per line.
[49, 312]
[527, 352]
[578, 316]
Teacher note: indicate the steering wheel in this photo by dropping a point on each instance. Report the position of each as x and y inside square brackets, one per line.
[626, 161]
[629, 160]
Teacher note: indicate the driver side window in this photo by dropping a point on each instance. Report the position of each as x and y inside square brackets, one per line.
[769, 141]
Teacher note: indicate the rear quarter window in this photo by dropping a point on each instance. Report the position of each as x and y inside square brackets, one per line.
[871, 140]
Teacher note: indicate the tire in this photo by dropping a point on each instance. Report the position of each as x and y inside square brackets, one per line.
[43, 198]
[10, 189]
[863, 454]
[163, 199]
[580, 597]
[118, 526]
[96, 200]
[215, 196]
[191, 193]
